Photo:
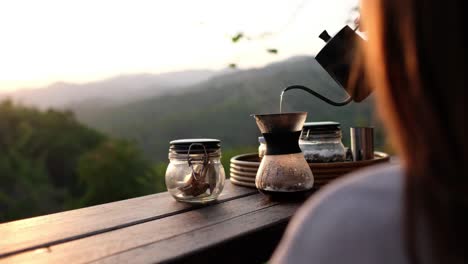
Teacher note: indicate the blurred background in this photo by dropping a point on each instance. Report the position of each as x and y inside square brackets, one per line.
[91, 92]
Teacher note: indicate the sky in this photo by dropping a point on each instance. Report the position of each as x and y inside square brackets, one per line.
[46, 41]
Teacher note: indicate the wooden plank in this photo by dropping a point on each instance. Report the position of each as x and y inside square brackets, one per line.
[206, 244]
[43, 231]
[98, 247]
[253, 247]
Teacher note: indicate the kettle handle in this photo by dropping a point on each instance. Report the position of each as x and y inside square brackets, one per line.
[319, 96]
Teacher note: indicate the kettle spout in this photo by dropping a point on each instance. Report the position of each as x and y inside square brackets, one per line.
[319, 96]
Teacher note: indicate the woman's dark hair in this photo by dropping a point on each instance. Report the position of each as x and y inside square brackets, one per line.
[416, 59]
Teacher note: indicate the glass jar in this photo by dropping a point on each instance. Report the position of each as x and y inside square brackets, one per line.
[195, 173]
[321, 142]
[262, 147]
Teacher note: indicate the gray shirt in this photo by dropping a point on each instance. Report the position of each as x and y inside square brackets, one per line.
[357, 219]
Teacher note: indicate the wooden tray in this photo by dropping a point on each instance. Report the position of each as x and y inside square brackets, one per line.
[245, 167]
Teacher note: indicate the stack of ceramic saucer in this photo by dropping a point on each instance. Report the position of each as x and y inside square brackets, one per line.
[244, 169]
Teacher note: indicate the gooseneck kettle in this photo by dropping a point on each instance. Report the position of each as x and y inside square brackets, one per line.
[342, 59]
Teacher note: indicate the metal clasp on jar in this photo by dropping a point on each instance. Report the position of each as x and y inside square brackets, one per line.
[196, 184]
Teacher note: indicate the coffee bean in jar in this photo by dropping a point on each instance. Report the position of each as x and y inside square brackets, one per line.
[321, 142]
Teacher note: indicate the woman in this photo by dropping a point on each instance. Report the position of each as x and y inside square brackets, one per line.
[416, 57]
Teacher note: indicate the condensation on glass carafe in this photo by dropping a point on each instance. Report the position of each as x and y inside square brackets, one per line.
[284, 173]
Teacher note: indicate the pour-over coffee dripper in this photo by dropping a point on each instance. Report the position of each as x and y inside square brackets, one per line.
[283, 169]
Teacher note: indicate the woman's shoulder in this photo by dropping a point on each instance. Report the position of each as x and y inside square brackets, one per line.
[357, 218]
[365, 194]
[382, 181]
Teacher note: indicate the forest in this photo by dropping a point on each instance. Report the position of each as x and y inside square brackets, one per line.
[50, 162]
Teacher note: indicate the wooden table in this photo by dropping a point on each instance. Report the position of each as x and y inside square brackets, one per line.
[243, 226]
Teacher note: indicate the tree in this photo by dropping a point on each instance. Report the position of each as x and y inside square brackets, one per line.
[50, 162]
[25, 188]
[115, 170]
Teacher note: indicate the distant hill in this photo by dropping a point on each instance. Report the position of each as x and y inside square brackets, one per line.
[110, 91]
[220, 107]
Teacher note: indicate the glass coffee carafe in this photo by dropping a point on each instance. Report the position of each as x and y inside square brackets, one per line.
[283, 170]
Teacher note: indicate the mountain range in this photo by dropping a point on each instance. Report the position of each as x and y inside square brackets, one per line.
[115, 90]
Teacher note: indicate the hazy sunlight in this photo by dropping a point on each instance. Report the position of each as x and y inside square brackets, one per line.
[51, 40]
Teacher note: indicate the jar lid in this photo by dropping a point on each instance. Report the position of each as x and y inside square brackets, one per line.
[321, 128]
[326, 126]
[181, 146]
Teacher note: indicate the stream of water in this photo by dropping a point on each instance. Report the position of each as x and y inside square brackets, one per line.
[281, 102]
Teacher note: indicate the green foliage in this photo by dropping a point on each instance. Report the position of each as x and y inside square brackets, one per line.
[25, 188]
[237, 37]
[54, 137]
[272, 51]
[39, 152]
[157, 177]
[50, 162]
[115, 170]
